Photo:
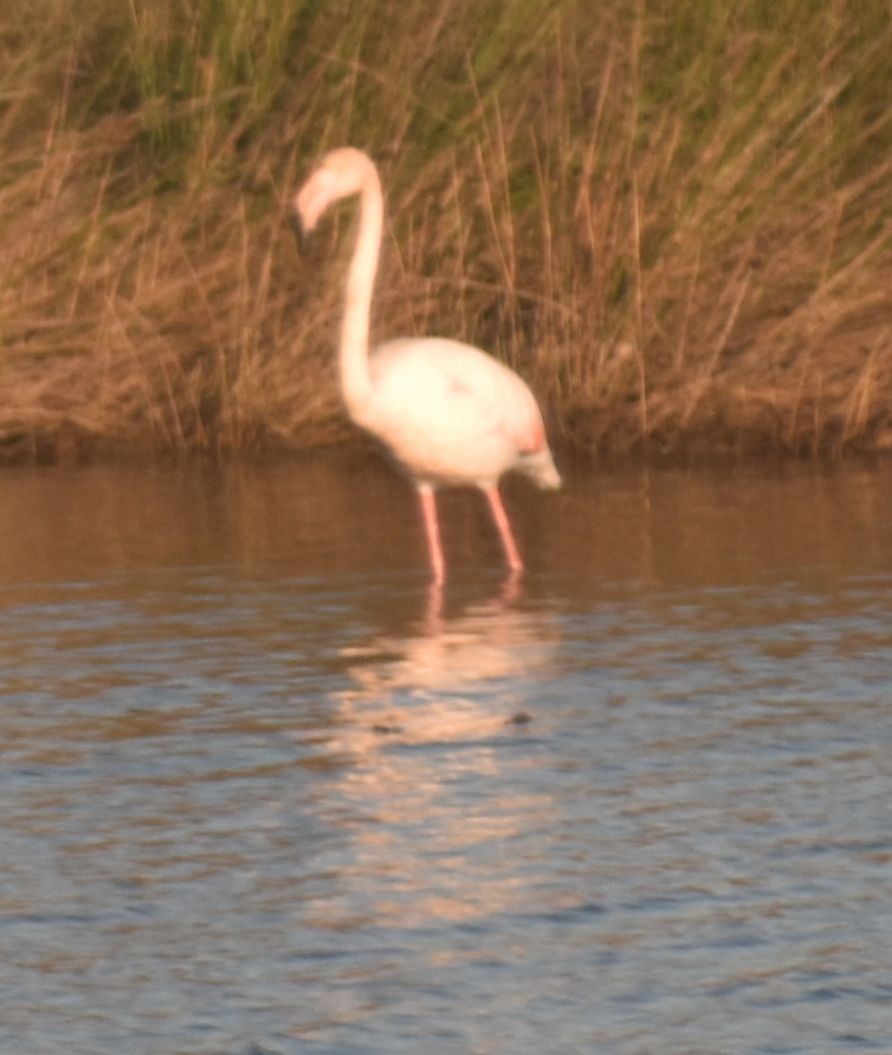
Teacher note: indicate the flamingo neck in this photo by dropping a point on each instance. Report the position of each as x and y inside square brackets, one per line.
[356, 384]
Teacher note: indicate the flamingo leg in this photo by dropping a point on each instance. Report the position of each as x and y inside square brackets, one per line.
[501, 518]
[432, 531]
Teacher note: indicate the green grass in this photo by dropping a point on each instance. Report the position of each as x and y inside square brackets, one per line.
[672, 218]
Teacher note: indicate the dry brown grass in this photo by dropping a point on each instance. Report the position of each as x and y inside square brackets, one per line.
[676, 250]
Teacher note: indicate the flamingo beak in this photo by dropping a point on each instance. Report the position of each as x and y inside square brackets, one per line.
[309, 204]
[299, 231]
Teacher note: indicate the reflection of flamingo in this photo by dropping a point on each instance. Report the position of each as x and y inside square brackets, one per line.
[462, 678]
[449, 412]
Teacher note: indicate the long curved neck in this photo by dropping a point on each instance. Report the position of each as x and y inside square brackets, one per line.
[356, 383]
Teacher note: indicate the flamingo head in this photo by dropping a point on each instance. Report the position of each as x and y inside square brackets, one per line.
[340, 174]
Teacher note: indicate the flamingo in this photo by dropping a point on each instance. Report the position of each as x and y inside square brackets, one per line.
[448, 412]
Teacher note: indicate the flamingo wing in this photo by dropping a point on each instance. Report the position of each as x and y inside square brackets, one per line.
[447, 387]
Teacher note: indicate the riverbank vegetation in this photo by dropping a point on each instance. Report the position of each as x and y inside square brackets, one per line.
[673, 218]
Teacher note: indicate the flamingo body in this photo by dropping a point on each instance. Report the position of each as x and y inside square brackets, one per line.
[450, 413]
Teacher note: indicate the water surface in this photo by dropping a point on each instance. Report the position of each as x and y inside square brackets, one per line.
[264, 791]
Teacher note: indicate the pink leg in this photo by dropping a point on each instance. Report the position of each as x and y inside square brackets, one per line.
[432, 530]
[501, 518]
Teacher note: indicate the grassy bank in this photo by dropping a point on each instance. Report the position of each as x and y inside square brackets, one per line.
[672, 218]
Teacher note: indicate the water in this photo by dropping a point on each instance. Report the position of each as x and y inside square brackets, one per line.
[264, 792]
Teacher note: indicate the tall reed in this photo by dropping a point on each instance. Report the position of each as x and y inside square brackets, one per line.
[673, 218]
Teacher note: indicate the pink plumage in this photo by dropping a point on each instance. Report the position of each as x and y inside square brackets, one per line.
[450, 413]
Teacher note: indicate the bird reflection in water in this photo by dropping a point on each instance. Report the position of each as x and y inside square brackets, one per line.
[430, 738]
[449, 675]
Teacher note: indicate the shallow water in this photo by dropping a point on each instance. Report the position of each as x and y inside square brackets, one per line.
[264, 791]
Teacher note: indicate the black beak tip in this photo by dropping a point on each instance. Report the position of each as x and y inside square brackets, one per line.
[300, 235]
